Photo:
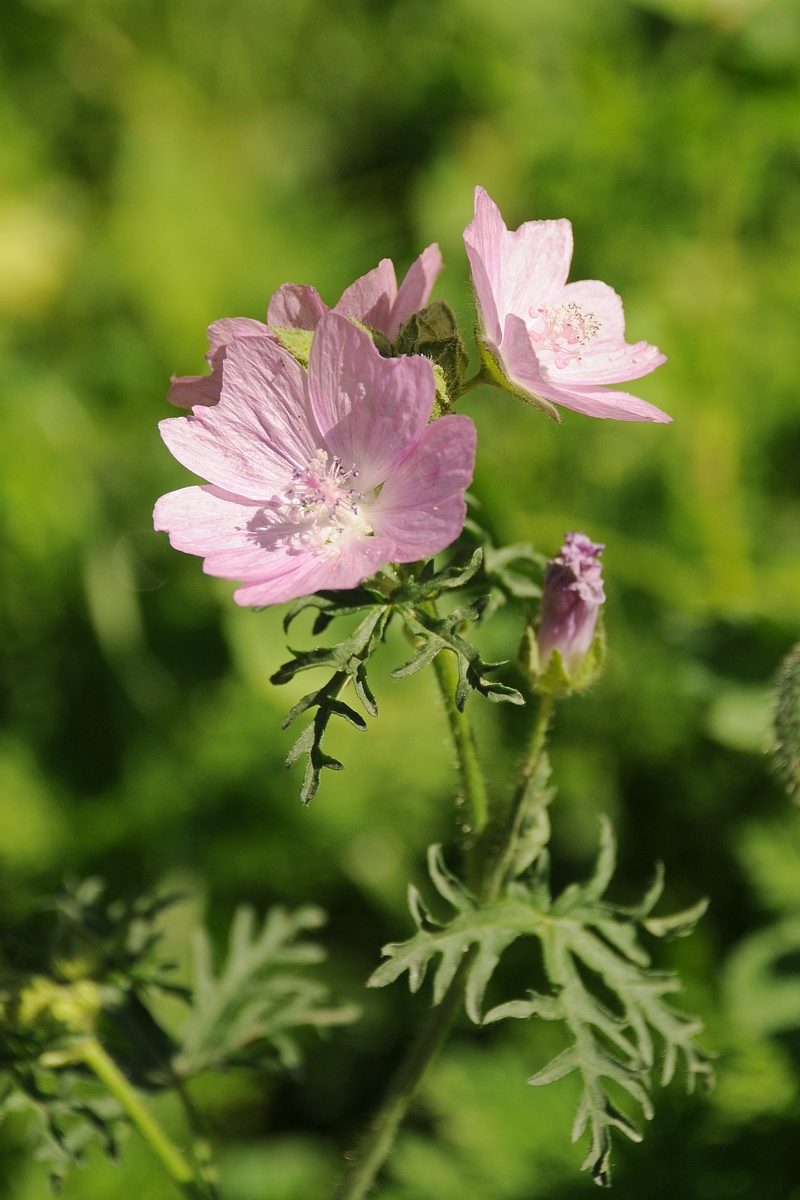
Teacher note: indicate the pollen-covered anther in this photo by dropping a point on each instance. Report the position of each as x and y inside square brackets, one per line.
[564, 329]
[321, 497]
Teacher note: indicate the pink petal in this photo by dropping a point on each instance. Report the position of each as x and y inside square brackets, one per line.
[371, 298]
[369, 410]
[295, 306]
[221, 333]
[238, 541]
[203, 520]
[187, 390]
[415, 290]
[483, 239]
[261, 430]
[609, 358]
[421, 506]
[290, 575]
[523, 368]
[514, 272]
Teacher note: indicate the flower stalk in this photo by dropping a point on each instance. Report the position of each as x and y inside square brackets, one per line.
[90, 1051]
[376, 1145]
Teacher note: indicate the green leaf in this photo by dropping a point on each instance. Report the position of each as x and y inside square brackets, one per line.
[440, 633]
[349, 659]
[786, 747]
[247, 1014]
[582, 938]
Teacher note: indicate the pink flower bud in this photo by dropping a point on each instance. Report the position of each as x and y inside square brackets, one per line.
[571, 599]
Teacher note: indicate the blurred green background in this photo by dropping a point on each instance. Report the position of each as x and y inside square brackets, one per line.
[167, 162]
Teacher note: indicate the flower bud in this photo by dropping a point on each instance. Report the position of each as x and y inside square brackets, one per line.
[565, 653]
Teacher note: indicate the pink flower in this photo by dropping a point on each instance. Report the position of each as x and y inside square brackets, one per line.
[375, 299]
[552, 341]
[318, 478]
[571, 599]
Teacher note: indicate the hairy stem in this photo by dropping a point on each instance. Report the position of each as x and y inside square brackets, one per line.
[140, 1116]
[464, 742]
[377, 1143]
[497, 870]
[382, 1131]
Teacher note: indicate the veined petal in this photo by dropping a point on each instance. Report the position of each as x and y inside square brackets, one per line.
[202, 520]
[296, 306]
[221, 333]
[514, 271]
[291, 574]
[608, 358]
[240, 540]
[187, 390]
[371, 298]
[369, 410]
[524, 369]
[421, 506]
[261, 430]
[415, 290]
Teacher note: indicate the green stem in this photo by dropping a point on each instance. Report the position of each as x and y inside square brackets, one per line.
[377, 1142]
[382, 1131]
[464, 742]
[170, 1157]
[498, 868]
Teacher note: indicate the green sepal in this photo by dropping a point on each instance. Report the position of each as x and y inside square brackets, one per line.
[492, 372]
[434, 333]
[555, 680]
[296, 341]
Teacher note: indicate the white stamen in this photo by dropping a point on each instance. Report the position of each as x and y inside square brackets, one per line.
[563, 328]
[322, 501]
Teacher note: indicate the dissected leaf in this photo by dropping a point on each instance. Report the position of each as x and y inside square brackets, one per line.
[576, 927]
[247, 1014]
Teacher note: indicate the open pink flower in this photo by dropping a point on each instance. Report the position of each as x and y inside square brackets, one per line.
[318, 478]
[553, 341]
[375, 299]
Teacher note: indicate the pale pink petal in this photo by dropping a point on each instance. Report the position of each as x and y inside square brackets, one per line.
[371, 298]
[602, 402]
[523, 368]
[536, 260]
[514, 272]
[187, 390]
[261, 430]
[421, 506]
[203, 520]
[609, 358]
[221, 333]
[295, 306]
[415, 290]
[289, 575]
[239, 540]
[369, 410]
[483, 240]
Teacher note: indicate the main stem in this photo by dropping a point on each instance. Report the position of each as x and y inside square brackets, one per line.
[377, 1142]
[170, 1157]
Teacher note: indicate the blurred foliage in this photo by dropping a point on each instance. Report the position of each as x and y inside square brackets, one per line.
[164, 163]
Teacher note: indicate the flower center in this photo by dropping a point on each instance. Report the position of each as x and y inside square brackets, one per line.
[564, 329]
[323, 501]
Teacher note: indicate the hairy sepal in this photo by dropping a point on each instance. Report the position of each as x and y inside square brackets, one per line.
[492, 371]
[785, 748]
